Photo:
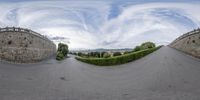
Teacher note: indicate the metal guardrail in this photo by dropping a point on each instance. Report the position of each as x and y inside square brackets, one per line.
[18, 29]
[196, 31]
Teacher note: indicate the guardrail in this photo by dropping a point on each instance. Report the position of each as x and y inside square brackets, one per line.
[196, 31]
[18, 29]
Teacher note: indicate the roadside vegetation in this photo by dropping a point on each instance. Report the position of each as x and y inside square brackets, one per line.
[116, 58]
[62, 51]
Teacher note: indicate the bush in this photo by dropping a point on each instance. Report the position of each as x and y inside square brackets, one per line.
[59, 56]
[117, 54]
[118, 59]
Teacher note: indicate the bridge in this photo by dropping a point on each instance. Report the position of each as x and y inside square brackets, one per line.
[166, 74]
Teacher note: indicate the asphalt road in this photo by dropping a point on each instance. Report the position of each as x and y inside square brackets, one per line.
[166, 74]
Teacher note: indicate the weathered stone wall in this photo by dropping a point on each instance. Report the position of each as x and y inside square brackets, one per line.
[24, 46]
[188, 43]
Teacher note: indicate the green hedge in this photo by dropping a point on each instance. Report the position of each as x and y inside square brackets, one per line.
[118, 59]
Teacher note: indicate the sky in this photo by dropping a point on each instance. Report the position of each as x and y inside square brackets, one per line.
[103, 23]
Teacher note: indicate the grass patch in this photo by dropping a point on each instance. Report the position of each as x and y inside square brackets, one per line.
[118, 59]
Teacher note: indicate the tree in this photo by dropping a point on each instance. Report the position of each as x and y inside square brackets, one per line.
[62, 51]
[137, 48]
[63, 48]
[147, 45]
[95, 54]
[91, 54]
[102, 53]
[80, 53]
[117, 54]
[74, 53]
[106, 55]
[126, 52]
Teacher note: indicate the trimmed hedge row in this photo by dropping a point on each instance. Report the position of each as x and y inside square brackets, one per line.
[118, 59]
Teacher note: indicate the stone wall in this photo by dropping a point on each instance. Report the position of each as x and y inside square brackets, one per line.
[188, 43]
[24, 46]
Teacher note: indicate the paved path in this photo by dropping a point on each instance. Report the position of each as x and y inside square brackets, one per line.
[166, 74]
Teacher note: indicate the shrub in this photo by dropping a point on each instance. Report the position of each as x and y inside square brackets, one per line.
[118, 59]
[117, 54]
[59, 56]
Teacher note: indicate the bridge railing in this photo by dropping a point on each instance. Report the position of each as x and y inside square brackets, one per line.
[18, 29]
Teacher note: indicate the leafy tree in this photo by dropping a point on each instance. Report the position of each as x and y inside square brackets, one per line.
[74, 53]
[95, 54]
[147, 45]
[83, 54]
[101, 54]
[80, 53]
[137, 48]
[62, 51]
[63, 48]
[127, 52]
[106, 55]
[91, 54]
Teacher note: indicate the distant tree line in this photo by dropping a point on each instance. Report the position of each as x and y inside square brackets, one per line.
[143, 46]
[118, 59]
[97, 54]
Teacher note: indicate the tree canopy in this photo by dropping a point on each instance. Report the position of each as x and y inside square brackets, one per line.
[62, 51]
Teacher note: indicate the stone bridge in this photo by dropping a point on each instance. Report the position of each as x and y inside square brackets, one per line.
[188, 43]
[24, 46]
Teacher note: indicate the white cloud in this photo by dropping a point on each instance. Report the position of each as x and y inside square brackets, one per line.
[85, 24]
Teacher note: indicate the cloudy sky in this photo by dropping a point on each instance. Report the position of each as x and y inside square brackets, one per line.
[103, 23]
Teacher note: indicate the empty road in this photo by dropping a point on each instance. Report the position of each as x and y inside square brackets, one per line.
[166, 74]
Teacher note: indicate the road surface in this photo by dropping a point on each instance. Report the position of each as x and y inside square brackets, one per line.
[166, 74]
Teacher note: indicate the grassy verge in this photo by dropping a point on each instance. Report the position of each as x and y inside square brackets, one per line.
[118, 59]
